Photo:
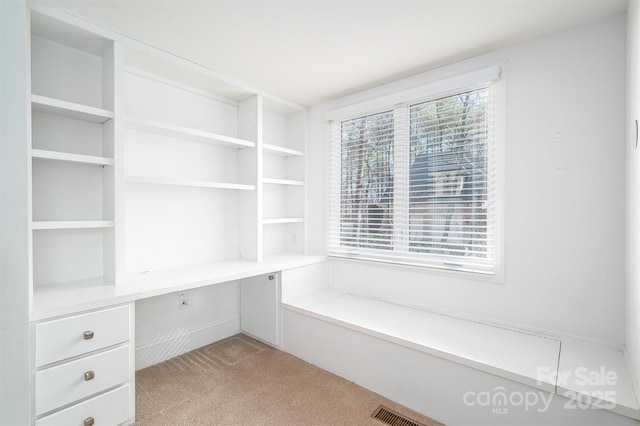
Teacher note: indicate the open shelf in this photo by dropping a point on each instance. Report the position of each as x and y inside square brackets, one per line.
[71, 158]
[282, 151]
[70, 109]
[191, 183]
[283, 182]
[187, 133]
[71, 224]
[280, 220]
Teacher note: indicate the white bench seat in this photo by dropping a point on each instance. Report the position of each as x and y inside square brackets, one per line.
[522, 356]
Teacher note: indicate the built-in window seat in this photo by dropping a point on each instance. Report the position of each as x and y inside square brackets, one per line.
[519, 355]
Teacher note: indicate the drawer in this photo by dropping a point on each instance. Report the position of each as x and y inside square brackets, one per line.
[63, 338]
[109, 409]
[66, 383]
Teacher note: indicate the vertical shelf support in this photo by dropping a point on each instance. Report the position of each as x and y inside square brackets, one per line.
[250, 172]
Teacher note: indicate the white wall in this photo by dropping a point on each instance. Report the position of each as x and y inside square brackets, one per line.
[564, 191]
[164, 331]
[633, 190]
[14, 279]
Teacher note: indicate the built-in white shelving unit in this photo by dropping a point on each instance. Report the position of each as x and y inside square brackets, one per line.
[149, 174]
[283, 179]
[73, 143]
[143, 161]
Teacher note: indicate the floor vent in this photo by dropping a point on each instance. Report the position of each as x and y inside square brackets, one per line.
[392, 418]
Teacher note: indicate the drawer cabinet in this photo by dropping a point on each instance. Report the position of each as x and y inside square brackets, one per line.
[68, 337]
[108, 409]
[71, 381]
[84, 369]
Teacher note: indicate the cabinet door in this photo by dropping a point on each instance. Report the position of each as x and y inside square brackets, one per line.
[260, 307]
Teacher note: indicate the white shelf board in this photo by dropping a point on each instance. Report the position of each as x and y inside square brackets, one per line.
[502, 351]
[70, 109]
[71, 224]
[190, 183]
[56, 299]
[71, 158]
[282, 151]
[186, 133]
[283, 182]
[278, 220]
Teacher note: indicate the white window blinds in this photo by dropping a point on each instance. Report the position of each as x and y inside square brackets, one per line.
[415, 184]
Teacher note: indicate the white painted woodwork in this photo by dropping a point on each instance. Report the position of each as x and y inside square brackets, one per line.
[108, 409]
[61, 255]
[213, 314]
[185, 111]
[191, 183]
[430, 384]
[632, 199]
[250, 164]
[282, 151]
[71, 158]
[186, 133]
[66, 78]
[283, 181]
[70, 109]
[275, 221]
[597, 374]
[506, 352]
[259, 307]
[65, 383]
[67, 191]
[71, 224]
[573, 369]
[54, 132]
[72, 297]
[63, 338]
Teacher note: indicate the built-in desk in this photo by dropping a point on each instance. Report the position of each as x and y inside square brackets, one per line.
[64, 299]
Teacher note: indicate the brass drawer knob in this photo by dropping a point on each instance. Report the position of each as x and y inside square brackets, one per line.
[87, 335]
[89, 421]
[89, 375]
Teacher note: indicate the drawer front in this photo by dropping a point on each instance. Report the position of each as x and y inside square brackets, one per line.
[69, 382]
[63, 338]
[108, 409]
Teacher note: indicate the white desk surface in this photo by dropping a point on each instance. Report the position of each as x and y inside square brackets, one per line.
[54, 300]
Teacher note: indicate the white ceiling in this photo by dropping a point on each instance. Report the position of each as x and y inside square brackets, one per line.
[311, 51]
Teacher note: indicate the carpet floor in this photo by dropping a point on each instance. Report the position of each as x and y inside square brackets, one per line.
[240, 381]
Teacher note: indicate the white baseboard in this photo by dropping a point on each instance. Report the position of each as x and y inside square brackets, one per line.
[182, 341]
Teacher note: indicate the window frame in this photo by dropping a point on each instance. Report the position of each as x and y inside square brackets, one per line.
[400, 102]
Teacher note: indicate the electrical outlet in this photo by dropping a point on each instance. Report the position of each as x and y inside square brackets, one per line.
[183, 301]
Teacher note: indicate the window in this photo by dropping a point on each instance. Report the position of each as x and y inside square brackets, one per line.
[415, 183]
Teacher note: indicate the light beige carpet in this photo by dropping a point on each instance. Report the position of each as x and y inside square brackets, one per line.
[240, 381]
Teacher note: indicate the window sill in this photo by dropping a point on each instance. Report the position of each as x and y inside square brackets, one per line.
[488, 277]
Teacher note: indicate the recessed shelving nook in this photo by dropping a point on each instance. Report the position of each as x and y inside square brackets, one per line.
[73, 89]
[284, 178]
[146, 162]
